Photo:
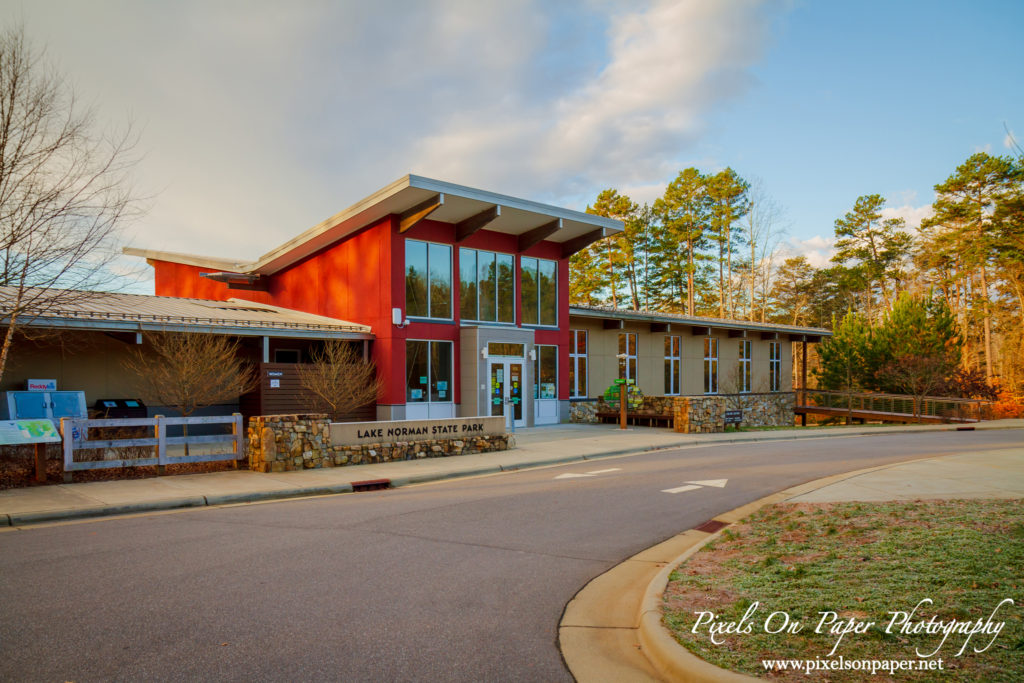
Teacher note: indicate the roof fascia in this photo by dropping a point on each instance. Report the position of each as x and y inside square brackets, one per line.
[136, 326]
[698, 322]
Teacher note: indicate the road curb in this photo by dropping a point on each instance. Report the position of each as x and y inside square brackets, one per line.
[27, 518]
[641, 647]
[670, 659]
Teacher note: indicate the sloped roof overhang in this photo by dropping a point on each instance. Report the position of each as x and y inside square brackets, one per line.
[793, 332]
[413, 198]
[118, 312]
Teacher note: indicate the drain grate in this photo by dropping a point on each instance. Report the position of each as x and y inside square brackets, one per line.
[965, 429]
[371, 485]
[711, 526]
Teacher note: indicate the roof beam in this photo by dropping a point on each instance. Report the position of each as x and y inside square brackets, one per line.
[467, 227]
[412, 216]
[585, 240]
[535, 236]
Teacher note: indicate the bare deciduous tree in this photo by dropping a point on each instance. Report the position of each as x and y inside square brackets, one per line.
[64, 191]
[338, 380]
[189, 370]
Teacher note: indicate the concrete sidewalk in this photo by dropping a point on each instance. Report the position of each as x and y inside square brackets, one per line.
[535, 447]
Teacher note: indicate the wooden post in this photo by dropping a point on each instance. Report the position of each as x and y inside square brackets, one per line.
[41, 462]
[236, 429]
[67, 431]
[622, 406]
[803, 371]
[161, 445]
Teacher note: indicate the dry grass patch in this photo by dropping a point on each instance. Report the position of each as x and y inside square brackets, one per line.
[861, 561]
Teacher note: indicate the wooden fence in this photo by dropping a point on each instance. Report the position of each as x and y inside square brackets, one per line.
[75, 434]
[938, 408]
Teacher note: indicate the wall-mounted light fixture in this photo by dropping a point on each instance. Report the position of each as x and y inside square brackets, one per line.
[397, 319]
[483, 353]
[533, 354]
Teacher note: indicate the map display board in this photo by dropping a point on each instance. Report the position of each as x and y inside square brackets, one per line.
[15, 432]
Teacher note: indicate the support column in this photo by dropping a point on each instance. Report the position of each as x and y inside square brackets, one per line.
[803, 381]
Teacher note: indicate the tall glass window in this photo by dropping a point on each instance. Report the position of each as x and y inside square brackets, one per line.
[710, 365]
[545, 372]
[774, 366]
[428, 280]
[578, 363]
[743, 369]
[673, 364]
[539, 291]
[428, 371]
[486, 286]
[627, 355]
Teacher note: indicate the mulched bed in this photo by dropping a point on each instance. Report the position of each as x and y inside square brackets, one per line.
[18, 468]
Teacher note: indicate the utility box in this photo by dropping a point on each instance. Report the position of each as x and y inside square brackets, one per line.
[112, 408]
[49, 405]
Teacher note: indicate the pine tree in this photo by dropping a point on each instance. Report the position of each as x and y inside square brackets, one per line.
[964, 226]
[727, 196]
[684, 212]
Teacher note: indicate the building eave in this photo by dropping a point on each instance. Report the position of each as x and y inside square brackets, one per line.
[457, 203]
[600, 313]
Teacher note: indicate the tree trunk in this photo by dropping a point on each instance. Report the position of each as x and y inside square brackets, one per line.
[689, 277]
[987, 317]
[8, 341]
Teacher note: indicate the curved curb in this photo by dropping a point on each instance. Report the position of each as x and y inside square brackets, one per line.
[641, 641]
[15, 519]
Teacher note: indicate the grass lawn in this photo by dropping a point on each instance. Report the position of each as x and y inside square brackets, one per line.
[861, 561]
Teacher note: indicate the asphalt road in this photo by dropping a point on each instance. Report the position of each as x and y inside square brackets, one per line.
[456, 581]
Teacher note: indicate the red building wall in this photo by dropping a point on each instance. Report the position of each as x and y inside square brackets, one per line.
[361, 279]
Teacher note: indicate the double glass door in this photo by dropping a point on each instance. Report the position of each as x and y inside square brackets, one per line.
[506, 389]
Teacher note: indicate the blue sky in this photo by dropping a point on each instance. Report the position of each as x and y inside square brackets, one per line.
[259, 119]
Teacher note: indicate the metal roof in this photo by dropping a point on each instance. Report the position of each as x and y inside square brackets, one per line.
[608, 313]
[459, 203]
[112, 311]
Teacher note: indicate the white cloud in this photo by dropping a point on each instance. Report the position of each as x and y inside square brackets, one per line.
[818, 250]
[260, 119]
[1010, 141]
[913, 215]
[668, 65]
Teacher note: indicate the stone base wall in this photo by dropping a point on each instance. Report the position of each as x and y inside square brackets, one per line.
[705, 414]
[280, 443]
[586, 411]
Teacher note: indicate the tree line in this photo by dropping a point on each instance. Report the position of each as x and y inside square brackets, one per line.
[712, 245]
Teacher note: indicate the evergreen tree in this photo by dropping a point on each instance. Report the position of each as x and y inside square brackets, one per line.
[877, 246]
[965, 229]
[684, 212]
[727, 196]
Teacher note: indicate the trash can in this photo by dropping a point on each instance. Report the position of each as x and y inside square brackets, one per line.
[112, 408]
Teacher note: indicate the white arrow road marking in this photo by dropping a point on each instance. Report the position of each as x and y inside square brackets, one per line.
[680, 489]
[720, 483]
[571, 475]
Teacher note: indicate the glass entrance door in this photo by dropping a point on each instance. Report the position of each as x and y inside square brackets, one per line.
[506, 384]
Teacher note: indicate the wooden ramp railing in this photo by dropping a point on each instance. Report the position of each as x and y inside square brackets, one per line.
[891, 407]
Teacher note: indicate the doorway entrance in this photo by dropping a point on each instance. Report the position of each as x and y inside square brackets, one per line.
[506, 388]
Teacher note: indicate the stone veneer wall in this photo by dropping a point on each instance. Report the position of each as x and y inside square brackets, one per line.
[586, 411]
[278, 443]
[703, 414]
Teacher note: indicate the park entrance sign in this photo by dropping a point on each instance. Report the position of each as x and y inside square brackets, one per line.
[363, 433]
